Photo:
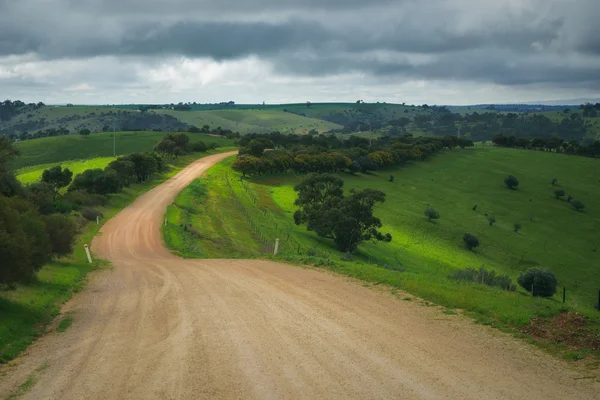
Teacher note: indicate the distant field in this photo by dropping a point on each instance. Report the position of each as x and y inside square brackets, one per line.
[33, 174]
[252, 121]
[558, 237]
[75, 147]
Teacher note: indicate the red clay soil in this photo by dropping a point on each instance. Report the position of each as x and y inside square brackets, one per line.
[569, 328]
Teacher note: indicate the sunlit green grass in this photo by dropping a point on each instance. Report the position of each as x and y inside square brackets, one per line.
[33, 174]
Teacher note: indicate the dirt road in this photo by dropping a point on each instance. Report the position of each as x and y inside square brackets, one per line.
[160, 327]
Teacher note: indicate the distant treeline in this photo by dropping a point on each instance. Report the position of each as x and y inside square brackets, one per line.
[278, 153]
[9, 109]
[555, 144]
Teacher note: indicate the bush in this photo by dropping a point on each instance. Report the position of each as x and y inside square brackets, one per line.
[198, 147]
[578, 205]
[517, 226]
[90, 213]
[559, 193]
[61, 230]
[391, 178]
[492, 220]
[486, 277]
[431, 213]
[471, 241]
[543, 281]
[511, 182]
[554, 181]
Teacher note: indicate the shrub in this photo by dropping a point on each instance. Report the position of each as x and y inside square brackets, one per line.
[511, 182]
[543, 282]
[492, 220]
[485, 277]
[559, 193]
[431, 213]
[517, 226]
[61, 230]
[554, 181]
[578, 205]
[90, 213]
[470, 240]
[198, 147]
[391, 178]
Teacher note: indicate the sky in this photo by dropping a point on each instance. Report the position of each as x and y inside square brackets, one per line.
[280, 51]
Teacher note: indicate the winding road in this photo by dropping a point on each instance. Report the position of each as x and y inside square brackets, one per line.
[155, 326]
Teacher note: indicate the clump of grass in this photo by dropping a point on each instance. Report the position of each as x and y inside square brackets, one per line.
[485, 277]
[64, 324]
[23, 388]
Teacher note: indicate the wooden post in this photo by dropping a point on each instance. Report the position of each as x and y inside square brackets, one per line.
[276, 247]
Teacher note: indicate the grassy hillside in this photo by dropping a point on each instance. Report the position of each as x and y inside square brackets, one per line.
[75, 147]
[252, 121]
[558, 237]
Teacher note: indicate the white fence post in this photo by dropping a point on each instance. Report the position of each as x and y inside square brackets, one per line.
[97, 220]
[87, 251]
[276, 247]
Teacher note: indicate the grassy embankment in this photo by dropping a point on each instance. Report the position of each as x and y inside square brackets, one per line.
[558, 237]
[25, 312]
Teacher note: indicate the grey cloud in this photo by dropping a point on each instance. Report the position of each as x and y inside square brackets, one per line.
[517, 44]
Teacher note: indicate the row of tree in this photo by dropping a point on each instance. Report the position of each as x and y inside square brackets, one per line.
[555, 143]
[272, 153]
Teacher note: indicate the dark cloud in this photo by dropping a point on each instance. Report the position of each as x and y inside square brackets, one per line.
[508, 41]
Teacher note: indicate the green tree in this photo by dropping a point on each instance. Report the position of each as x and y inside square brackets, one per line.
[97, 181]
[9, 185]
[24, 244]
[168, 147]
[431, 213]
[124, 169]
[144, 164]
[542, 281]
[42, 194]
[471, 241]
[85, 132]
[559, 193]
[511, 182]
[517, 226]
[62, 232]
[347, 220]
[57, 177]
[578, 205]
[247, 165]
[492, 220]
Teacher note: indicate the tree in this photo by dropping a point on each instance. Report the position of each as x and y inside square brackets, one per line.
[24, 243]
[308, 104]
[85, 132]
[578, 205]
[42, 194]
[247, 165]
[391, 178]
[554, 181]
[354, 167]
[431, 213]
[511, 182]
[517, 226]
[471, 241]
[62, 231]
[491, 220]
[168, 147]
[57, 177]
[97, 181]
[542, 281]
[347, 220]
[124, 169]
[144, 164]
[559, 193]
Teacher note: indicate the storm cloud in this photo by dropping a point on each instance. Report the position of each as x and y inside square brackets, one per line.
[550, 44]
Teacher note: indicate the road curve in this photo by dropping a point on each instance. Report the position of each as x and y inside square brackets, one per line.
[160, 327]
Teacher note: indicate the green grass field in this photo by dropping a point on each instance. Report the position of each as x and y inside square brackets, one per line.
[26, 312]
[75, 147]
[558, 238]
[28, 175]
[252, 121]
